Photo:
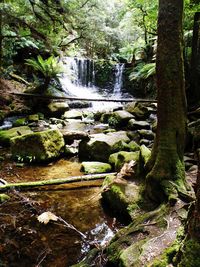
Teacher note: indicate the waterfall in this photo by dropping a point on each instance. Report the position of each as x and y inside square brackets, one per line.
[119, 68]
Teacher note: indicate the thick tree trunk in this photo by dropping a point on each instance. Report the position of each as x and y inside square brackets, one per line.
[1, 37]
[166, 167]
[194, 93]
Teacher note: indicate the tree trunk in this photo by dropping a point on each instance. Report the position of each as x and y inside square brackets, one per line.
[165, 168]
[194, 93]
[1, 36]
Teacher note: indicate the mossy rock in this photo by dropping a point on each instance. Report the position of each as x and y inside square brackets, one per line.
[138, 125]
[120, 118]
[3, 198]
[58, 108]
[139, 110]
[72, 114]
[40, 146]
[33, 118]
[20, 122]
[93, 167]
[100, 146]
[133, 146]
[7, 135]
[146, 134]
[118, 159]
[191, 255]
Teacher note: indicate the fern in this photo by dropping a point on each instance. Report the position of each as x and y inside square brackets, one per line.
[143, 71]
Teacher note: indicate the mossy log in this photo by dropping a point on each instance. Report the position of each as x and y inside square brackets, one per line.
[68, 180]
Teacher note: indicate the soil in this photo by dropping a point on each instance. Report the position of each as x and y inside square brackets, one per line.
[9, 103]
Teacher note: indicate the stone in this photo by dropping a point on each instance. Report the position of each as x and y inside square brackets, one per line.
[58, 108]
[70, 136]
[95, 167]
[138, 125]
[20, 122]
[79, 104]
[100, 146]
[72, 114]
[139, 110]
[120, 118]
[33, 118]
[118, 159]
[7, 135]
[38, 147]
[145, 154]
[146, 134]
[133, 146]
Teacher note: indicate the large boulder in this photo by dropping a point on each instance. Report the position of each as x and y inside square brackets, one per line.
[58, 108]
[92, 167]
[40, 146]
[120, 118]
[72, 114]
[139, 110]
[7, 135]
[100, 146]
[138, 125]
[118, 159]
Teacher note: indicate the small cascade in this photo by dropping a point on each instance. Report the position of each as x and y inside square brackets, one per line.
[119, 68]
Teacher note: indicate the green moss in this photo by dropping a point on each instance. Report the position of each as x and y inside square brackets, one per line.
[20, 122]
[3, 198]
[7, 135]
[191, 255]
[95, 167]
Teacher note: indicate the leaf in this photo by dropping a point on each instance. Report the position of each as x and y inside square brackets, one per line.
[47, 216]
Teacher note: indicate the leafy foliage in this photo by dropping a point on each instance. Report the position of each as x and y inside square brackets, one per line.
[49, 68]
[143, 71]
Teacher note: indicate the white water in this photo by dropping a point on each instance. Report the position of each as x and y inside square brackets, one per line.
[79, 81]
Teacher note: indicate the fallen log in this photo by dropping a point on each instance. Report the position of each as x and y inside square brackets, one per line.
[72, 98]
[72, 179]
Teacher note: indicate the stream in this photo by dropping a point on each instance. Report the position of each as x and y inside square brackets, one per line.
[24, 241]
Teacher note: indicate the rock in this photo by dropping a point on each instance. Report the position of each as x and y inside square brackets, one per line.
[138, 125]
[72, 114]
[146, 134]
[118, 159]
[20, 122]
[74, 125]
[7, 135]
[133, 146]
[40, 146]
[80, 104]
[139, 110]
[3, 198]
[95, 167]
[100, 146]
[105, 117]
[145, 154]
[119, 118]
[70, 136]
[71, 150]
[145, 142]
[119, 195]
[57, 108]
[57, 121]
[33, 118]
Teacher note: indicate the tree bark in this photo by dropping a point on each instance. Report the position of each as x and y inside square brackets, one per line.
[166, 166]
[194, 93]
[1, 36]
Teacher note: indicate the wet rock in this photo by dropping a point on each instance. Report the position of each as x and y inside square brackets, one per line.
[80, 104]
[70, 136]
[20, 122]
[40, 146]
[100, 146]
[92, 167]
[146, 134]
[139, 110]
[57, 108]
[133, 146]
[119, 118]
[118, 159]
[33, 118]
[72, 114]
[138, 125]
[71, 150]
[7, 135]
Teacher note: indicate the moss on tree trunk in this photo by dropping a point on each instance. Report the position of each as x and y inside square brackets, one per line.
[166, 163]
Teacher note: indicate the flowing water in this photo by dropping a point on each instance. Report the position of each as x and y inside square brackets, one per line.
[79, 81]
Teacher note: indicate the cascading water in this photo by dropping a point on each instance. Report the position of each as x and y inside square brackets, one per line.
[79, 81]
[119, 69]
